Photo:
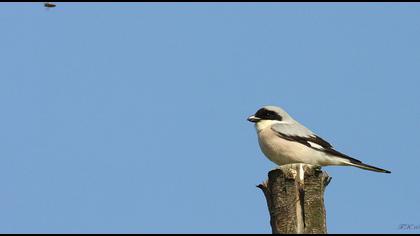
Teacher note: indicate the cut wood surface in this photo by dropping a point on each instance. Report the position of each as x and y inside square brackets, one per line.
[295, 199]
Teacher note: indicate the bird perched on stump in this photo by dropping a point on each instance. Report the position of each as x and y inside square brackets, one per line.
[283, 140]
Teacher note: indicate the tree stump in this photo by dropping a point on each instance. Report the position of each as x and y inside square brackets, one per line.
[295, 199]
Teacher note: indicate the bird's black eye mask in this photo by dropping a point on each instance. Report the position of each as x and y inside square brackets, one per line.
[265, 114]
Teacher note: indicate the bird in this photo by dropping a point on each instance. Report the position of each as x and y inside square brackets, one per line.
[283, 140]
[49, 5]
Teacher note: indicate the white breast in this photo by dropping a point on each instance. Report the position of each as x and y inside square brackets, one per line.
[282, 151]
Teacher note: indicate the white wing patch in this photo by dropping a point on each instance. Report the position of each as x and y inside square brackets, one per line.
[314, 145]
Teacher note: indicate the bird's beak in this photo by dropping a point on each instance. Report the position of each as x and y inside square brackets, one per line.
[253, 119]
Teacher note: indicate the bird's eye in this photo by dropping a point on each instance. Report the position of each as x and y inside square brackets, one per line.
[267, 114]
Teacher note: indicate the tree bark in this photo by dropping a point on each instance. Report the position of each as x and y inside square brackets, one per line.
[295, 199]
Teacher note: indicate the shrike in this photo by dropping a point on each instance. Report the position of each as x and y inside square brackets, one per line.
[285, 141]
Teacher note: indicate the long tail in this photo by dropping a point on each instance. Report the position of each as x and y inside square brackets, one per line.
[350, 161]
[367, 167]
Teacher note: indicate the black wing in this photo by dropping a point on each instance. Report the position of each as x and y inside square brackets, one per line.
[326, 146]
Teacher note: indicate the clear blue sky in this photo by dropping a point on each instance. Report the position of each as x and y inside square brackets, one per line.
[131, 117]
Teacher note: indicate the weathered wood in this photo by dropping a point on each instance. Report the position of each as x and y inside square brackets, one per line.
[295, 199]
